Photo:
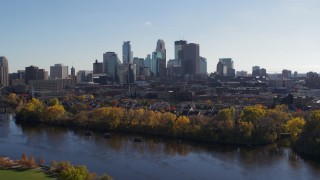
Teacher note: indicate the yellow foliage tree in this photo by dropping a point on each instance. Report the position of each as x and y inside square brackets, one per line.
[253, 113]
[181, 125]
[294, 126]
[56, 112]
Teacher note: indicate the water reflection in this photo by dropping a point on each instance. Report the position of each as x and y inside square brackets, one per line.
[154, 157]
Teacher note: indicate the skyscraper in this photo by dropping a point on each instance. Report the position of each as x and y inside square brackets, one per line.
[161, 69]
[59, 71]
[127, 55]
[191, 59]
[73, 71]
[139, 62]
[98, 67]
[255, 71]
[228, 69]
[178, 50]
[111, 64]
[4, 72]
[203, 66]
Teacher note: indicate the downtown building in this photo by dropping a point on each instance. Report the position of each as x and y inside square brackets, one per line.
[225, 68]
[4, 71]
[59, 71]
[34, 73]
[111, 66]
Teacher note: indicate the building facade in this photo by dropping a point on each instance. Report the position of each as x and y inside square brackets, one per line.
[178, 50]
[4, 71]
[98, 67]
[203, 66]
[59, 71]
[191, 59]
[127, 55]
[34, 73]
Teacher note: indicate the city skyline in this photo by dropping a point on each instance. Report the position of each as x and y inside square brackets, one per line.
[275, 35]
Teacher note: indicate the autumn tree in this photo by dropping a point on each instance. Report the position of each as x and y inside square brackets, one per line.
[32, 112]
[55, 112]
[309, 139]
[253, 113]
[181, 125]
[54, 102]
[294, 126]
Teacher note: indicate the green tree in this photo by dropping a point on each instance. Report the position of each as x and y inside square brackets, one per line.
[74, 173]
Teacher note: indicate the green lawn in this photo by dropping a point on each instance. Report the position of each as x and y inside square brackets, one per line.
[23, 175]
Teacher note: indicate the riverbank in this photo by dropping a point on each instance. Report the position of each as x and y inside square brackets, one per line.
[28, 169]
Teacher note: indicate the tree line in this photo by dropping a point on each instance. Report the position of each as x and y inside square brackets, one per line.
[249, 125]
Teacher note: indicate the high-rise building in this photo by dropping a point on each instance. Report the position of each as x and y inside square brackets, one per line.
[84, 76]
[203, 65]
[178, 50]
[220, 69]
[127, 55]
[255, 71]
[161, 69]
[34, 73]
[226, 68]
[191, 59]
[127, 73]
[139, 62]
[263, 72]
[111, 63]
[4, 71]
[59, 71]
[286, 74]
[73, 71]
[98, 67]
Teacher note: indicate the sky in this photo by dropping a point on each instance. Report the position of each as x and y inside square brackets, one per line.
[272, 34]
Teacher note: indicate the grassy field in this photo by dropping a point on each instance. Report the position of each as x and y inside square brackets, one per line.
[23, 175]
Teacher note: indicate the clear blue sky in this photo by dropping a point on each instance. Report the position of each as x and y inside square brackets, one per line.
[274, 34]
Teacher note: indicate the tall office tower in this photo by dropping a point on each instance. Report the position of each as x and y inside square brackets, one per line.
[34, 73]
[286, 74]
[228, 70]
[263, 72]
[191, 59]
[255, 71]
[59, 71]
[148, 61]
[111, 64]
[161, 69]
[178, 50]
[4, 72]
[98, 67]
[127, 54]
[139, 62]
[220, 69]
[73, 71]
[203, 66]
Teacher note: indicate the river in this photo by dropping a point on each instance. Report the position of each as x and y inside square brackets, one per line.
[154, 157]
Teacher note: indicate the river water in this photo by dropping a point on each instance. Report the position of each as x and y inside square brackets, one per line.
[154, 157]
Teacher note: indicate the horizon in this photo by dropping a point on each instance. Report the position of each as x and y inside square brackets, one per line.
[274, 35]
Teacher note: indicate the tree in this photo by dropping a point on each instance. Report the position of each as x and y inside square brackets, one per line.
[226, 118]
[74, 173]
[12, 99]
[56, 112]
[294, 126]
[181, 124]
[54, 102]
[253, 113]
